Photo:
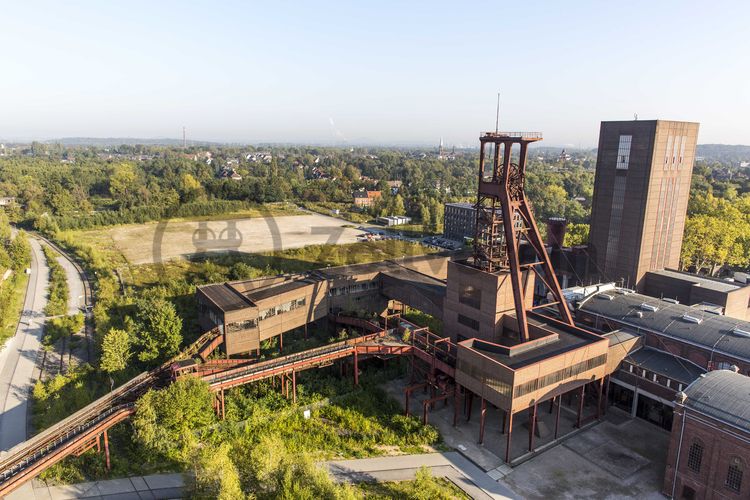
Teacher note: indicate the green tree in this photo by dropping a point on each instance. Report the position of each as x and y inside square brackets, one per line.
[276, 473]
[19, 251]
[190, 188]
[215, 475]
[165, 420]
[424, 215]
[123, 185]
[158, 329]
[436, 216]
[115, 351]
[398, 205]
[576, 234]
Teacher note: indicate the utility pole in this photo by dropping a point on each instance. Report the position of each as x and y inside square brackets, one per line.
[497, 114]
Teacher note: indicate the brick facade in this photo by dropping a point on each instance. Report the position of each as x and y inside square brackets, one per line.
[722, 444]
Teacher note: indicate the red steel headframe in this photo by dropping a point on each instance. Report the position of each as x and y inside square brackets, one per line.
[504, 219]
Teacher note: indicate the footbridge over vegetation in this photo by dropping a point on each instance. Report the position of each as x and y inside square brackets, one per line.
[85, 428]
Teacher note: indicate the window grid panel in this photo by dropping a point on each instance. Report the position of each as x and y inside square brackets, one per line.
[623, 152]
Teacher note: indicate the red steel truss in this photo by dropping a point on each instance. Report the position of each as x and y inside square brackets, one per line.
[504, 220]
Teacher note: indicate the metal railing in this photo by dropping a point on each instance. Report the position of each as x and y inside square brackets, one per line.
[513, 135]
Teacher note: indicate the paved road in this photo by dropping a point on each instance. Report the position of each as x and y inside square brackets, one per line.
[18, 356]
[75, 285]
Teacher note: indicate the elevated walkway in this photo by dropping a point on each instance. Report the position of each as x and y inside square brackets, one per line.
[77, 433]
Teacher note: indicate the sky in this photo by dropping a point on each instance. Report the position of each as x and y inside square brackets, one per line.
[401, 72]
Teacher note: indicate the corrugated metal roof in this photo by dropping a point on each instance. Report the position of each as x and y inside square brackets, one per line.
[225, 297]
[723, 395]
[665, 364]
[713, 332]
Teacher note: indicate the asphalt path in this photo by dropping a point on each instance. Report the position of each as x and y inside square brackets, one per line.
[19, 355]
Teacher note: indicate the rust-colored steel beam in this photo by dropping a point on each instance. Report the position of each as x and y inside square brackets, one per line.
[36, 463]
[504, 220]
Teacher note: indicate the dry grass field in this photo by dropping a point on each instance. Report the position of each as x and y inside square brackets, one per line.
[162, 241]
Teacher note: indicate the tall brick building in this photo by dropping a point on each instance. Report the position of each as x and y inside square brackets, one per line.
[643, 172]
[709, 451]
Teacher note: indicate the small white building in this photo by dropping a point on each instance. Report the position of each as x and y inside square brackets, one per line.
[394, 220]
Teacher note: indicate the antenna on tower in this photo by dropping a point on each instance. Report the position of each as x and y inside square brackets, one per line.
[184, 139]
[497, 114]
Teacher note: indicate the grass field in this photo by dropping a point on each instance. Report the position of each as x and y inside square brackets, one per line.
[159, 242]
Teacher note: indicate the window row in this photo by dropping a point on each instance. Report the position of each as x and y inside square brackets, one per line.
[559, 375]
[282, 308]
[735, 469]
[467, 321]
[474, 371]
[652, 376]
[355, 288]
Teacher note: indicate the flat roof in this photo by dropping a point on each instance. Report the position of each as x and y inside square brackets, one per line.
[714, 331]
[272, 290]
[617, 337]
[666, 364]
[460, 205]
[723, 395]
[568, 339]
[704, 282]
[226, 297]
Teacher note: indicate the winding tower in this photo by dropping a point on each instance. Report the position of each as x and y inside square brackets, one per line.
[505, 223]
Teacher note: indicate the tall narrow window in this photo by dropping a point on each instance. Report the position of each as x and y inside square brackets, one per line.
[695, 456]
[623, 152]
[734, 475]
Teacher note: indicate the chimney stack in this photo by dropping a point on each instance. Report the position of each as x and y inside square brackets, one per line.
[556, 227]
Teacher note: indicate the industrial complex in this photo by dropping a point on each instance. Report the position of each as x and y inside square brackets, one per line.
[529, 326]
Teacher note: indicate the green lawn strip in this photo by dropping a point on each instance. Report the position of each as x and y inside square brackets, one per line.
[12, 294]
[57, 302]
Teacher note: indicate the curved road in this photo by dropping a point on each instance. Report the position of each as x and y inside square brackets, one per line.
[19, 355]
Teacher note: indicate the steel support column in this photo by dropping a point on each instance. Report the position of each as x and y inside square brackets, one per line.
[106, 450]
[606, 395]
[294, 387]
[455, 404]
[599, 400]
[356, 369]
[508, 439]
[482, 415]
[532, 426]
[557, 416]
[580, 406]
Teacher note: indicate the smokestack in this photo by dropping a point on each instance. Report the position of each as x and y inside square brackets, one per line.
[556, 231]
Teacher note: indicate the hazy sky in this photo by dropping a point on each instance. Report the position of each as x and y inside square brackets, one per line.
[385, 72]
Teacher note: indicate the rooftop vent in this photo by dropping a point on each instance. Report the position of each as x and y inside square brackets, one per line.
[737, 330]
[671, 301]
[639, 314]
[607, 296]
[692, 319]
[649, 307]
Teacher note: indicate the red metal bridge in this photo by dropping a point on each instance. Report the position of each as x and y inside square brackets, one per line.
[85, 428]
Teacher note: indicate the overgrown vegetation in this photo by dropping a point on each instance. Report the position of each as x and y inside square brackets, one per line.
[419, 318]
[263, 437]
[57, 301]
[423, 487]
[63, 327]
